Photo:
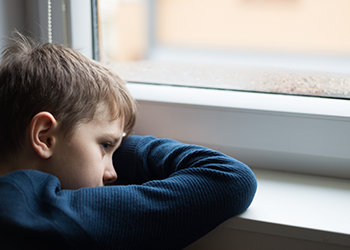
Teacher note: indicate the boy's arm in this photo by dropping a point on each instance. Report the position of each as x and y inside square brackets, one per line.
[185, 190]
[143, 158]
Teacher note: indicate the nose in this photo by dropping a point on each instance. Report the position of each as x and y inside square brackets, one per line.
[109, 176]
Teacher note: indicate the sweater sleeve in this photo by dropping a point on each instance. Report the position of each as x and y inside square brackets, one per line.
[185, 192]
[141, 159]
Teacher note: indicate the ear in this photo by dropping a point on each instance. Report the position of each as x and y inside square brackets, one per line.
[42, 134]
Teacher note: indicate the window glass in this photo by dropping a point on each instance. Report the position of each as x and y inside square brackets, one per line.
[279, 46]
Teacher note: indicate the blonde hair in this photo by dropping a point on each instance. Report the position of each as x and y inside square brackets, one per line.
[57, 79]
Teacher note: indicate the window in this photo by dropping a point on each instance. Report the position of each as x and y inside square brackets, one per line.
[292, 133]
[275, 46]
[306, 134]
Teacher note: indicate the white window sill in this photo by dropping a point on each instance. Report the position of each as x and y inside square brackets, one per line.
[300, 207]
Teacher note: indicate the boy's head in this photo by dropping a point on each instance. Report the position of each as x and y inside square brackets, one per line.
[58, 81]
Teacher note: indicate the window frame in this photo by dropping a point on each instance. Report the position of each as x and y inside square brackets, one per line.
[278, 132]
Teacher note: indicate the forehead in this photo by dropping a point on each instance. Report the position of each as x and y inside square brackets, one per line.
[106, 116]
[108, 111]
[103, 121]
[101, 125]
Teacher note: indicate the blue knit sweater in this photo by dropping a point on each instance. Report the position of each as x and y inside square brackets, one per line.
[172, 195]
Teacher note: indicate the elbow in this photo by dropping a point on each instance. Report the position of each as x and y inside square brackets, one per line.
[247, 187]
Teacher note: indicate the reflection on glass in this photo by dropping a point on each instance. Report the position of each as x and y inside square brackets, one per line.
[285, 46]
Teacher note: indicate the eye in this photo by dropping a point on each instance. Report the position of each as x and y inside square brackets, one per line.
[105, 146]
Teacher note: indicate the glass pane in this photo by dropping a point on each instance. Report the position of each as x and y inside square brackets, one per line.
[279, 46]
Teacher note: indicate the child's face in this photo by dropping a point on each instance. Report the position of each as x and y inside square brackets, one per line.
[84, 158]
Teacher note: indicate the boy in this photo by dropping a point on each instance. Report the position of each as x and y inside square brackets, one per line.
[63, 117]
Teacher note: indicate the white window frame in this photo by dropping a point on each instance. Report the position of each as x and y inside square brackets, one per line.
[280, 132]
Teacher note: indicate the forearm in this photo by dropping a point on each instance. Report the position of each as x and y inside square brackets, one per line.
[141, 159]
[186, 190]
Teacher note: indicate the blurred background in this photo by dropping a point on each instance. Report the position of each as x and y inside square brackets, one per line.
[311, 35]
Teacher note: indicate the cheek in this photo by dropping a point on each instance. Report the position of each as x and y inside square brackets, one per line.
[89, 169]
[81, 167]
